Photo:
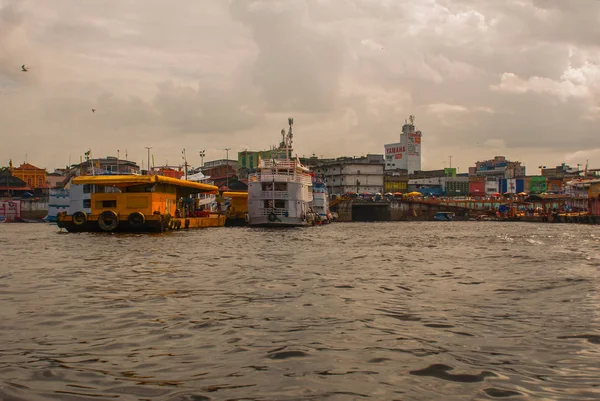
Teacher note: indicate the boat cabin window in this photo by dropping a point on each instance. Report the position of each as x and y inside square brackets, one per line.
[87, 203]
[281, 186]
[267, 186]
[109, 204]
[87, 188]
[279, 204]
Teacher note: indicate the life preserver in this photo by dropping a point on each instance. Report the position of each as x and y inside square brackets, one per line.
[136, 219]
[108, 220]
[272, 217]
[79, 218]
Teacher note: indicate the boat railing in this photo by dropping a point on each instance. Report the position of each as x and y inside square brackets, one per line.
[278, 164]
[275, 211]
[274, 195]
[280, 177]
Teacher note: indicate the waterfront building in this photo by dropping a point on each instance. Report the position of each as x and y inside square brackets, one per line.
[439, 182]
[353, 174]
[395, 181]
[496, 171]
[498, 167]
[405, 154]
[105, 166]
[54, 179]
[561, 172]
[168, 171]
[221, 162]
[33, 176]
[10, 185]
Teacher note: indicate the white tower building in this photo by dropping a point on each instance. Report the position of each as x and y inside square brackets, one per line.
[406, 154]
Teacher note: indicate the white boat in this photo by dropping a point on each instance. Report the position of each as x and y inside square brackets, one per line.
[321, 201]
[280, 191]
[58, 201]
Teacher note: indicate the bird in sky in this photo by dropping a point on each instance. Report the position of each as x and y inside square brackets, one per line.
[93, 110]
[24, 69]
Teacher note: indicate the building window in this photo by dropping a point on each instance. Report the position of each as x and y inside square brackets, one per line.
[87, 203]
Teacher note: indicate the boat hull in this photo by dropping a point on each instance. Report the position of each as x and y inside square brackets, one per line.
[264, 221]
[156, 223]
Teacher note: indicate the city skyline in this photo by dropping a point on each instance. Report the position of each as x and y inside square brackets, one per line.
[519, 79]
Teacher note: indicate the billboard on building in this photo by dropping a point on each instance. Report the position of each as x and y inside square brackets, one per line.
[395, 151]
[395, 156]
[413, 145]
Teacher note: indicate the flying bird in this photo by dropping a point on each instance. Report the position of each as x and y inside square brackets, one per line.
[93, 110]
[24, 69]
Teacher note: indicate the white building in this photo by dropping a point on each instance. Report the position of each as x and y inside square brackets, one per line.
[406, 154]
[353, 175]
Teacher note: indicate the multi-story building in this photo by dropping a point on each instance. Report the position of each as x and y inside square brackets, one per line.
[561, 172]
[498, 167]
[353, 174]
[406, 154]
[107, 165]
[33, 176]
[221, 162]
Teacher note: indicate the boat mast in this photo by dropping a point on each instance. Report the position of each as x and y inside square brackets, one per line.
[288, 143]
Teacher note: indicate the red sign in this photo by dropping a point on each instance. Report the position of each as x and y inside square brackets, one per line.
[395, 149]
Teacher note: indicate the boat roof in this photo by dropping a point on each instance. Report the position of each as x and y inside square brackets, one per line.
[129, 180]
[229, 194]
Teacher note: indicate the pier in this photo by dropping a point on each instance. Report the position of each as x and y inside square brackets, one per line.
[395, 210]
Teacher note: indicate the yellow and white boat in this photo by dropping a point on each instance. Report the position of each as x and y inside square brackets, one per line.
[237, 211]
[140, 203]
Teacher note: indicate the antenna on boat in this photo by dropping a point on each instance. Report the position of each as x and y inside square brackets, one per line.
[289, 138]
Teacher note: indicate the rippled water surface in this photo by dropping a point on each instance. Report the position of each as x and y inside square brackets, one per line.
[380, 311]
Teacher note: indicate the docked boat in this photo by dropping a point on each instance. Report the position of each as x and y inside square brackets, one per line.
[321, 201]
[444, 216]
[136, 203]
[236, 210]
[58, 201]
[280, 191]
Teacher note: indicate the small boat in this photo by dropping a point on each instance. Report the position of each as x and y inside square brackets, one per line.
[444, 216]
[321, 201]
[237, 208]
[136, 203]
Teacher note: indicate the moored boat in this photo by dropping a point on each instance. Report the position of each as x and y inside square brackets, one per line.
[237, 208]
[321, 201]
[280, 192]
[135, 203]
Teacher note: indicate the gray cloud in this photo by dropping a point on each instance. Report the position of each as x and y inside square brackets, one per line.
[517, 77]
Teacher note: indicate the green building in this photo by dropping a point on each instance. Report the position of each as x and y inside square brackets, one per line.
[538, 185]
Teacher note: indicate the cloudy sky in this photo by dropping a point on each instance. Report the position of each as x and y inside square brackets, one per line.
[519, 78]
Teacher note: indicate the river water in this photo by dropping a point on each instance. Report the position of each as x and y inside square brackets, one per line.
[349, 311]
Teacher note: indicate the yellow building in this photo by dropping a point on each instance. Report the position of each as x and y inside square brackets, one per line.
[33, 176]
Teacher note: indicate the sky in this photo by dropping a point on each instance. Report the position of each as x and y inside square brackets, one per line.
[519, 78]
